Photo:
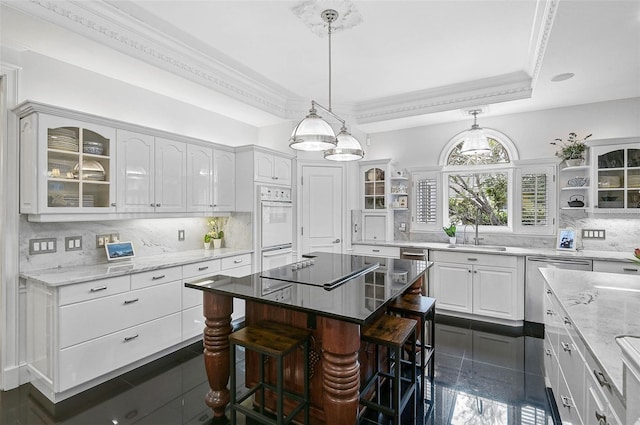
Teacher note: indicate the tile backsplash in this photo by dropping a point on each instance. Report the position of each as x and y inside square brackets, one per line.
[149, 237]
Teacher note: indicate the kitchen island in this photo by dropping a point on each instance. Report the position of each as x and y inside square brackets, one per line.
[333, 313]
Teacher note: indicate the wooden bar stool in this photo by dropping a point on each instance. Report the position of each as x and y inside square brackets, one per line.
[423, 310]
[275, 340]
[393, 333]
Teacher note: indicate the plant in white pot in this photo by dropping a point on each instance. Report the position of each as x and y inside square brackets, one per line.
[573, 150]
[451, 232]
[215, 234]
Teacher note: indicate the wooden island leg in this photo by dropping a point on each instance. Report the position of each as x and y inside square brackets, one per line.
[341, 371]
[217, 312]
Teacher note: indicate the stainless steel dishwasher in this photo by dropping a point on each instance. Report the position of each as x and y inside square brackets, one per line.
[419, 254]
[534, 282]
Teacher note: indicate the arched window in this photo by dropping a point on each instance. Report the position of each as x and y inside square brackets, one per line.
[478, 186]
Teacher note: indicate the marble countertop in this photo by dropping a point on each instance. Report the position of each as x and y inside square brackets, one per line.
[601, 306]
[521, 251]
[77, 274]
[630, 346]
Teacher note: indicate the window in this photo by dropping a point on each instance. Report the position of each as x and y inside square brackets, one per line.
[536, 200]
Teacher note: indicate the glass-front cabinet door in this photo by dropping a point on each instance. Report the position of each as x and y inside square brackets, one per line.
[617, 172]
[374, 189]
[73, 166]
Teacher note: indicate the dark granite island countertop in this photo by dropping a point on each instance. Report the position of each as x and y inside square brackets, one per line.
[356, 300]
[333, 314]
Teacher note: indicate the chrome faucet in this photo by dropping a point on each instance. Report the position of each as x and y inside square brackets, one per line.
[464, 233]
[476, 240]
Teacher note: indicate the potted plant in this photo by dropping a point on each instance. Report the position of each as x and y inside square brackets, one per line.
[214, 234]
[573, 150]
[217, 239]
[207, 241]
[636, 253]
[451, 232]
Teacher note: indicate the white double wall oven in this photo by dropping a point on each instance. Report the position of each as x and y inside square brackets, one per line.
[276, 226]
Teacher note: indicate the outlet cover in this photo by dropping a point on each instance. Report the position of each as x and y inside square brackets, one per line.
[42, 246]
[593, 234]
[73, 243]
[180, 235]
[102, 239]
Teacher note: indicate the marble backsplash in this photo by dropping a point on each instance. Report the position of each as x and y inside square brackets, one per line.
[149, 237]
[622, 233]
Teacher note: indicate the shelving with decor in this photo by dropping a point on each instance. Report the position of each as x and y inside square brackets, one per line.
[574, 186]
[67, 166]
[616, 175]
[399, 194]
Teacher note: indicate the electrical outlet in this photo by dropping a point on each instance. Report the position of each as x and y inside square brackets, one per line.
[73, 243]
[593, 234]
[42, 246]
[115, 237]
[180, 235]
[102, 239]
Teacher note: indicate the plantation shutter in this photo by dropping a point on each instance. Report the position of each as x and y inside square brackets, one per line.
[535, 199]
[425, 212]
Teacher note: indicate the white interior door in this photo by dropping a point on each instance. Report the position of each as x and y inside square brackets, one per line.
[322, 209]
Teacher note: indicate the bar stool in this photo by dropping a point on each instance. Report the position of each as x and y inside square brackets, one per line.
[393, 333]
[275, 340]
[423, 310]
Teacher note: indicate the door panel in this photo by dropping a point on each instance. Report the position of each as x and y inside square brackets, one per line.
[322, 209]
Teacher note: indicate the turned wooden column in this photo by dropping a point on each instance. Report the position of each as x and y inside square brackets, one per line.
[217, 312]
[341, 371]
[416, 287]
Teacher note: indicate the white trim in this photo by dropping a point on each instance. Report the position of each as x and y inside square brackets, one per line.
[11, 329]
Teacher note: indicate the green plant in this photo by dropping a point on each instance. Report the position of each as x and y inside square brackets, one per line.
[451, 230]
[636, 253]
[207, 238]
[573, 148]
[214, 230]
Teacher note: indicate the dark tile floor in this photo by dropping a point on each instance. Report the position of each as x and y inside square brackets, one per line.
[484, 375]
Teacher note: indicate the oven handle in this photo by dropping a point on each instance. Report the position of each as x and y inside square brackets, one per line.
[277, 252]
[284, 204]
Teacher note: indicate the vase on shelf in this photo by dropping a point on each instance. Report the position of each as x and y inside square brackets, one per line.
[217, 243]
[207, 245]
[574, 162]
[452, 240]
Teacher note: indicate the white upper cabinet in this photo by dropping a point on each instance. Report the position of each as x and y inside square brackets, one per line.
[224, 180]
[67, 167]
[152, 173]
[135, 172]
[199, 179]
[270, 168]
[171, 176]
[616, 175]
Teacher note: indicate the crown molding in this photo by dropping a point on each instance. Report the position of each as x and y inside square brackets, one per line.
[132, 31]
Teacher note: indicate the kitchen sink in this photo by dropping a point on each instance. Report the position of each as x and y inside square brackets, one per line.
[480, 247]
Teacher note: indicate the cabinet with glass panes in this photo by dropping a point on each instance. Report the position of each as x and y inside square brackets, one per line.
[66, 166]
[616, 173]
[374, 178]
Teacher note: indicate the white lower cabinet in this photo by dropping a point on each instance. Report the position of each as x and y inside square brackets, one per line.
[623, 267]
[377, 251]
[485, 285]
[80, 335]
[237, 266]
[573, 373]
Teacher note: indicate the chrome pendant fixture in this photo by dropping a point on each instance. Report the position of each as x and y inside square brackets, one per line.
[314, 134]
[475, 140]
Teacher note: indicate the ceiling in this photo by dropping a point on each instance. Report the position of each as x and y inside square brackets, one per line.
[401, 64]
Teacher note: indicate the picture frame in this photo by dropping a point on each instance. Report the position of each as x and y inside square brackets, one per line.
[566, 240]
[119, 251]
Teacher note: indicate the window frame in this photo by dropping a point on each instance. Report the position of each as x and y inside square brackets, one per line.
[421, 174]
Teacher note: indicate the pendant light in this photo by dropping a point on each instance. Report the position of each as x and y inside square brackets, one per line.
[314, 134]
[475, 140]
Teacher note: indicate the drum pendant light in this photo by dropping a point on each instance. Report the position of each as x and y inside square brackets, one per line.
[314, 134]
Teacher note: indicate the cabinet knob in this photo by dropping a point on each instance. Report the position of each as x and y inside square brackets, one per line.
[475, 271]
[567, 321]
[210, 205]
[549, 312]
[157, 205]
[566, 402]
[153, 205]
[566, 347]
[549, 291]
[337, 241]
[113, 204]
[602, 380]
[601, 418]
[275, 177]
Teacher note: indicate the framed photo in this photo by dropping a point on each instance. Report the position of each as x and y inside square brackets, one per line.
[403, 201]
[566, 239]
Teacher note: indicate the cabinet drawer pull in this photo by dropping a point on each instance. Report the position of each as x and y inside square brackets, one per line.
[98, 289]
[129, 338]
[113, 204]
[375, 250]
[626, 269]
[547, 352]
[567, 321]
[203, 268]
[472, 259]
[135, 300]
[162, 276]
[549, 291]
[601, 417]
[601, 379]
[566, 402]
[237, 261]
[549, 312]
[157, 205]
[566, 347]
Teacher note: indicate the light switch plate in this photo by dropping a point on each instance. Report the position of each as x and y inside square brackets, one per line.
[593, 234]
[180, 235]
[73, 243]
[42, 246]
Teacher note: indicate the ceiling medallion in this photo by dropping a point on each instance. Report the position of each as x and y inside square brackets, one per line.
[310, 12]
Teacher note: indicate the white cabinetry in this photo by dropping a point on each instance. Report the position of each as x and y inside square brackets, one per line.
[623, 267]
[152, 174]
[113, 322]
[224, 180]
[66, 166]
[574, 186]
[192, 315]
[237, 266]
[616, 175]
[488, 286]
[583, 393]
[377, 251]
[269, 168]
